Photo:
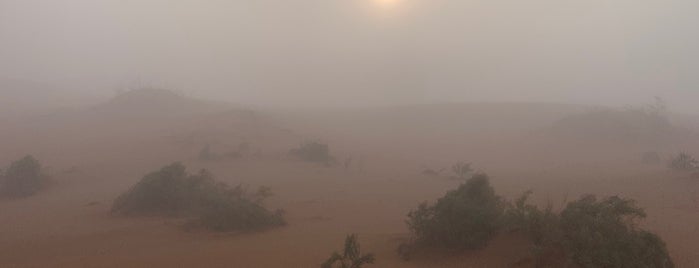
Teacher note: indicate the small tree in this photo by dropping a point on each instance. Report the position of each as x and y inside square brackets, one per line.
[23, 178]
[351, 257]
[462, 170]
[683, 162]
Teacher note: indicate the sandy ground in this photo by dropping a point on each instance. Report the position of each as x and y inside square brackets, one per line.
[69, 224]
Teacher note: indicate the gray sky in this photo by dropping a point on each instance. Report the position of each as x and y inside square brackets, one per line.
[362, 52]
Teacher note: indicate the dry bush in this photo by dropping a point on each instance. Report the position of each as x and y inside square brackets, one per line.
[171, 191]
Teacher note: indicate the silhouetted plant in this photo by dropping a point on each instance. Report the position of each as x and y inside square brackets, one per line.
[683, 162]
[23, 178]
[467, 217]
[313, 152]
[540, 225]
[590, 233]
[603, 233]
[351, 256]
[462, 170]
[171, 191]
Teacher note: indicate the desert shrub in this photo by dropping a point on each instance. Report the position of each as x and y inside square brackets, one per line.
[633, 125]
[172, 191]
[683, 162]
[462, 170]
[467, 217]
[603, 233]
[541, 225]
[351, 256]
[313, 152]
[23, 178]
[589, 233]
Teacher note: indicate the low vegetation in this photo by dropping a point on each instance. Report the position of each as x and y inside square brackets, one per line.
[462, 170]
[588, 232]
[23, 178]
[172, 191]
[467, 217]
[683, 162]
[351, 256]
[315, 152]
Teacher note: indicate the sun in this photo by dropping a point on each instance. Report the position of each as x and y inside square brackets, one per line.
[387, 3]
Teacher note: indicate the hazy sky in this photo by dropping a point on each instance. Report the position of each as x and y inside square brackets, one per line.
[362, 52]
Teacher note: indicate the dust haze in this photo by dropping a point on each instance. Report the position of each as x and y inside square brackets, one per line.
[265, 133]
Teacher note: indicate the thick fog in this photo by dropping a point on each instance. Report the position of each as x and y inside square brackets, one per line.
[360, 52]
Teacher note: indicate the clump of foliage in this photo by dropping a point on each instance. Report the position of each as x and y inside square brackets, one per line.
[590, 233]
[313, 152]
[684, 162]
[351, 256]
[172, 191]
[632, 125]
[540, 225]
[23, 178]
[603, 233]
[462, 170]
[467, 217]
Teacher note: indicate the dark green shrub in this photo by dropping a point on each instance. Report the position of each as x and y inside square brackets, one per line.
[171, 191]
[466, 218]
[589, 233]
[313, 152]
[683, 162]
[23, 178]
[351, 257]
[540, 225]
[603, 233]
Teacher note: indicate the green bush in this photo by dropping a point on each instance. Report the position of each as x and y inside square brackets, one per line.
[171, 191]
[23, 178]
[467, 217]
[540, 225]
[603, 233]
[313, 152]
[351, 257]
[587, 233]
[590, 233]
